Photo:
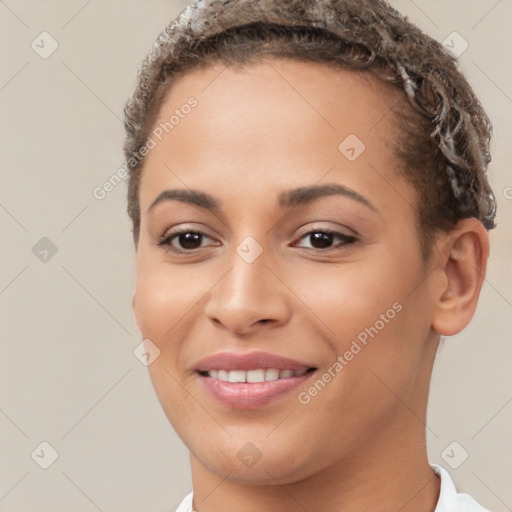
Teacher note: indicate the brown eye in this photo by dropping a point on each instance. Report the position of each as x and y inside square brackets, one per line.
[189, 240]
[322, 239]
[183, 241]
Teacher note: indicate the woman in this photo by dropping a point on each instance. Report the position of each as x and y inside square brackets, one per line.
[310, 209]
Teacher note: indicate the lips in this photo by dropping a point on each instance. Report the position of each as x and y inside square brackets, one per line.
[250, 380]
[249, 361]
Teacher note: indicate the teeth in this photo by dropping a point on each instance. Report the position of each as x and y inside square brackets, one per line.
[272, 374]
[255, 376]
[236, 376]
[260, 375]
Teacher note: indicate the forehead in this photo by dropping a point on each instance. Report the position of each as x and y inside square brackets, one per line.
[275, 123]
[285, 89]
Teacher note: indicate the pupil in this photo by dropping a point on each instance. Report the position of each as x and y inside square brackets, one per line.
[187, 240]
[321, 240]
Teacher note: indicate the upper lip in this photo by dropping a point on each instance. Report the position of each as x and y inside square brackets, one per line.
[249, 361]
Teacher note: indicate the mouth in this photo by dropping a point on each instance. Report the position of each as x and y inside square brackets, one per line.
[255, 376]
[251, 380]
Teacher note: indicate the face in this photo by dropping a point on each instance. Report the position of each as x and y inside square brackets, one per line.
[279, 271]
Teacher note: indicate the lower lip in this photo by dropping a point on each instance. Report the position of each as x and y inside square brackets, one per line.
[243, 395]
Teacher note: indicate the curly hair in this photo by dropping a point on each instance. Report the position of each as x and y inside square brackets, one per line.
[444, 147]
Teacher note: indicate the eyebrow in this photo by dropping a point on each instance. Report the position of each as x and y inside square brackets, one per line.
[304, 195]
[286, 199]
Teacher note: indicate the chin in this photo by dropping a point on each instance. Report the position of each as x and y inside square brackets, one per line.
[244, 463]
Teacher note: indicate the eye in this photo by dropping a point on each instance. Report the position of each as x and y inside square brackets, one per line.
[187, 240]
[322, 239]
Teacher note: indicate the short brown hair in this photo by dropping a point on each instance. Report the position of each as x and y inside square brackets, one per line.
[446, 132]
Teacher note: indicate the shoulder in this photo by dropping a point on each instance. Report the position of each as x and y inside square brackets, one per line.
[186, 504]
[449, 499]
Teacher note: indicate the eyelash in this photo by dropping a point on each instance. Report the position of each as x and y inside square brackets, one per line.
[165, 241]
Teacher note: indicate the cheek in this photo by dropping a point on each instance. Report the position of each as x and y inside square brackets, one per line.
[164, 306]
[368, 315]
[165, 294]
[347, 299]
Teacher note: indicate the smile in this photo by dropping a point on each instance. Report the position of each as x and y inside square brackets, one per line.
[250, 380]
[253, 376]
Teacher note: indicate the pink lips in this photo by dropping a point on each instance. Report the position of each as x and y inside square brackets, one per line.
[249, 395]
[248, 361]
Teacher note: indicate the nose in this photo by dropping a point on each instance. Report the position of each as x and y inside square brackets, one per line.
[249, 297]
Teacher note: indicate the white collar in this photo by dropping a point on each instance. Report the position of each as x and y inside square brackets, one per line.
[449, 499]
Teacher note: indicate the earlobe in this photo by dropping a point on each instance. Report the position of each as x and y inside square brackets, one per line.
[462, 262]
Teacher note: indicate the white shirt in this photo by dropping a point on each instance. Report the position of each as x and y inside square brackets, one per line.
[449, 499]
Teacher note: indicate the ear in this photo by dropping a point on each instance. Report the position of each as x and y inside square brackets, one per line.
[462, 263]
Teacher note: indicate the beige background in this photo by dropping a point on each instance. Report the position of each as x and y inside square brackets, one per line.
[68, 375]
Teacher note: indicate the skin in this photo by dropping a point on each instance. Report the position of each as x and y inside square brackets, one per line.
[359, 444]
